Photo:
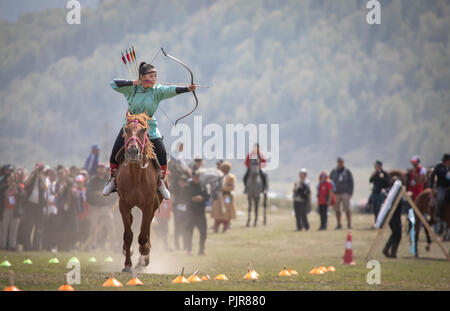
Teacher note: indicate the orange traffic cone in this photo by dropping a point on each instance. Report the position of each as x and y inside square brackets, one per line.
[112, 282]
[205, 278]
[348, 256]
[180, 278]
[284, 272]
[11, 287]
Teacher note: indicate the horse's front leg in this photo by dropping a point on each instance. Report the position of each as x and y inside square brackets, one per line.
[265, 208]
[256, 210]
[249, 209]
[127, 220]
[144, 236]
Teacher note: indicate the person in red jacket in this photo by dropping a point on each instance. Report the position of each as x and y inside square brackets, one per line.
[256, 153]
[416, 177]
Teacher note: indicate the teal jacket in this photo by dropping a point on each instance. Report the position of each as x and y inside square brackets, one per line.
[145, 100]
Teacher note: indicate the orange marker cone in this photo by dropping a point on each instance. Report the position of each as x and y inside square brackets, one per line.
[11, 287]
[331, 269]
[66, 288]
[112, 282]
[251, 275]
[284, 272]
[194, 277]
[221, 277]
[134, 282]
[205, 278]
[348, 256]
[253, 270]
[293, 272]
[180, 278]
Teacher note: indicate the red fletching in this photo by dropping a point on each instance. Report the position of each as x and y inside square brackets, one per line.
[123, 58]
[128, 57]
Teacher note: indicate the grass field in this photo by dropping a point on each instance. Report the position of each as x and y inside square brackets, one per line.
[268, 248]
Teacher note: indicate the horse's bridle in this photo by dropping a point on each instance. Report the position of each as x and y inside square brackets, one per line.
[137, 141]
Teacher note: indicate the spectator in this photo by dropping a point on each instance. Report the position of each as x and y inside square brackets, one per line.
[225, 210]
[196, 213]
[34, 203]
[181, 201]
[196, 164]
[5, 172]
[11, 213]
[91, 163]
[50, 222]
[343, 180]
[441, 173]
[82, 208]
[162, 223]
[391, 247]
[302, 194]
[324, 198]
[67, 214]
[380, 181]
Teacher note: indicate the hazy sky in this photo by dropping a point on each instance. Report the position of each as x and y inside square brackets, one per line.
[11, 10]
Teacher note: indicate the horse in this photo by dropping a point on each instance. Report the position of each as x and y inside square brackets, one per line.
[426, 203]
[137, 182]
[254, 189]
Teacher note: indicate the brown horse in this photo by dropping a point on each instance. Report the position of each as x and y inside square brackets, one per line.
[137, 183]
[426, 203]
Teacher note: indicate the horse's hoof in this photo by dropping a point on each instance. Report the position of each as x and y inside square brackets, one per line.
[127, 269]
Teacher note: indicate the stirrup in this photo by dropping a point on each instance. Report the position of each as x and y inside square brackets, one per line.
[163, 190]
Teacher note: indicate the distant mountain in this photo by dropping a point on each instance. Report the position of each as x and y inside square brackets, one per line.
[333, 83]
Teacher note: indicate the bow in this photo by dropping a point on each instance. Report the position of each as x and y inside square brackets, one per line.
[192, 82]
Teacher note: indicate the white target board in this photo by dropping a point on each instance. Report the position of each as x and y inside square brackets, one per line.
[387, 204]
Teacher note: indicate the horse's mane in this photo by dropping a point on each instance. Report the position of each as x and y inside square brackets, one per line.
[143, 119]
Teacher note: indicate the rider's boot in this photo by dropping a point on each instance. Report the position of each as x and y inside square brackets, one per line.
[162, 185]
[111, 184]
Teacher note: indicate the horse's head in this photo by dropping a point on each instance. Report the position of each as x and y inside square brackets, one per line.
[135, 136]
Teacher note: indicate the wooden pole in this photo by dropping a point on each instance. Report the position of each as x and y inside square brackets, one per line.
[425, 223]
[387, 220]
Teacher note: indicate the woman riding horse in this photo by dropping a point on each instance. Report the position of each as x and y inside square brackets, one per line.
[143, 96]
